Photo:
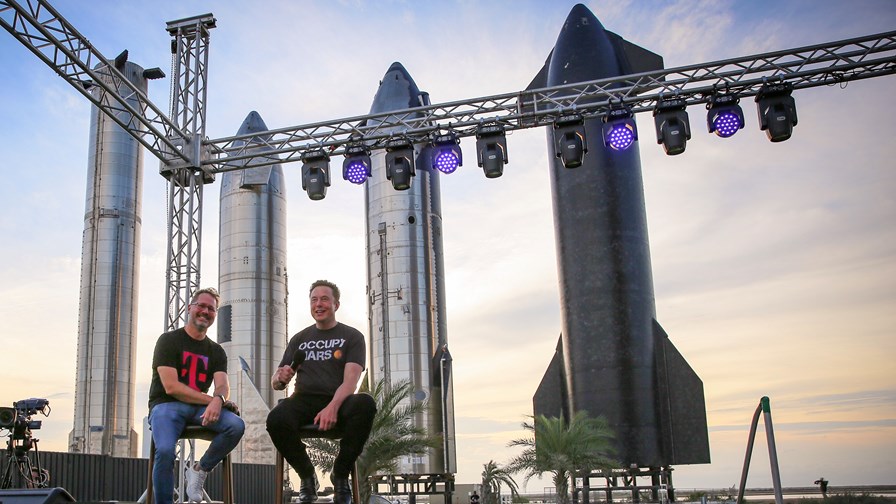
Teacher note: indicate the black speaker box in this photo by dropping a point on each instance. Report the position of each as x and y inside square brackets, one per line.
[35, 496]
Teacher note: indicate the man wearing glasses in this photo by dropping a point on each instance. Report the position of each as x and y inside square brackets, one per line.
[185, 363]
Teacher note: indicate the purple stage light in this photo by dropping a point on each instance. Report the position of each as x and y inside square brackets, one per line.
[446, 162]
[726, 124]
[356, 166]
[356, 172]
[620, 137]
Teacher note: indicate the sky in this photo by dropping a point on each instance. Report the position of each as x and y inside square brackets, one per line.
[774, 265]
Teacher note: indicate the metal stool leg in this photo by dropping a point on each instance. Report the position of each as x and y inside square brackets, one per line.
[192, 433]
[278, 491]
[356, 487]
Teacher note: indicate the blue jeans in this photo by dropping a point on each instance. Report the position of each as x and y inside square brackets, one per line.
[167, 421]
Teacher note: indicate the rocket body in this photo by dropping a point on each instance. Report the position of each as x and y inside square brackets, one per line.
[252, 280]
[615, 357]
[110, 269]
[408, 332]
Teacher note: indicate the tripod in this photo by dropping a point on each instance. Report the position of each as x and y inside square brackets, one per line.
[20, 472]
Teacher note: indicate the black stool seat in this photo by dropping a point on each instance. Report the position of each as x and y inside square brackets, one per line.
[205, 434]
[308, 432]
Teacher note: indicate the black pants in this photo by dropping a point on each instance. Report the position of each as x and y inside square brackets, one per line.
[354, 419]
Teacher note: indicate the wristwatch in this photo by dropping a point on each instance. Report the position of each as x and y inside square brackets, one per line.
[223, 401]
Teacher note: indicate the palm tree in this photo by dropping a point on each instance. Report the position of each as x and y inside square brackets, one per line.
[392, 436]
[564, 450]
[493, 476]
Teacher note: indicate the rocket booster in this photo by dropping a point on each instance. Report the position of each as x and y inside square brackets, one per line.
[252, 277]
[110, 270]
[613, 358]
[405, 281]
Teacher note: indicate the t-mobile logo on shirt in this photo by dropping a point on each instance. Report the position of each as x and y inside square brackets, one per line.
[320, 350]
[194, 368]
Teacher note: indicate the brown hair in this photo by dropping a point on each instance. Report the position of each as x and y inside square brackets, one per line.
[325, 283]
[210, 291]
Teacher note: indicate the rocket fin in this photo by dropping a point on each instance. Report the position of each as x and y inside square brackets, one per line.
[633, 59]
[682, 405]
[550, 397]
[541, 78]
[255, 446]
[444, 383]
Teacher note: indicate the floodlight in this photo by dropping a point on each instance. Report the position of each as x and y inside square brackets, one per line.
[777, 111]
[356, 166]
[491, 149]
[620, 131]
[400, 163]
[446, 153]
[120, 60]
[315, 173]
[153, 73]
[673, 128]
[569, 140]
[724, 116]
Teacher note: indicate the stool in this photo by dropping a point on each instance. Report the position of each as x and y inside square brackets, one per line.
[195, 432]
[307, 432]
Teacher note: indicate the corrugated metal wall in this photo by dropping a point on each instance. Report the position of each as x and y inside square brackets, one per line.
[101, 478]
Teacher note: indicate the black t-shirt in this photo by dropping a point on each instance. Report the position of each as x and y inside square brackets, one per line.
[326, 353]
[196, 363]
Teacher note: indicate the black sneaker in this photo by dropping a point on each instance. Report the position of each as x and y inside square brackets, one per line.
[308, 490]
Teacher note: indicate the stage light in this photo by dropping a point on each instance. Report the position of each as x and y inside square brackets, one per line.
[569, 140]
[356, 166]
[400, 163]
[491, 149]
[446, 153]
[315, 173]
[673, 128]
[620, 131]
[724, 116]
[777, 111]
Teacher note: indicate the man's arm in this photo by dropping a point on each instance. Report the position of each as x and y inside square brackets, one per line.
[222, 385]
[326, 418]
[216, 403]
[181, 391]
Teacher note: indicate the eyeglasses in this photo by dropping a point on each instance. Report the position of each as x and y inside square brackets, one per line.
[208, 308]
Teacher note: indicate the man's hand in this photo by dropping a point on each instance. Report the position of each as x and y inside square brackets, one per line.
[282, 375]
[326, 418]
[212, 411]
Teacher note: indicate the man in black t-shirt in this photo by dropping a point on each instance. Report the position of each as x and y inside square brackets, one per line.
[185, 363]
[324, 394]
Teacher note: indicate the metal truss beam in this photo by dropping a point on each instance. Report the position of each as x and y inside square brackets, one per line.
[810, 66]
[40, 28]
[189, 70]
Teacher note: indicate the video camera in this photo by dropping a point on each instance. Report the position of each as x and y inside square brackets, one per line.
[18, 418]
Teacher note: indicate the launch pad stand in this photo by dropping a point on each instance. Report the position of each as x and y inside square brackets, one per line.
[632, 481]
[413, 485]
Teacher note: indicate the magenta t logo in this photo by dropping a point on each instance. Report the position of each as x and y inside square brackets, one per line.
[192, 370]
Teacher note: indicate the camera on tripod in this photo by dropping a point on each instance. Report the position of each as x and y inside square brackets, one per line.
[20, 470]
[18, 418]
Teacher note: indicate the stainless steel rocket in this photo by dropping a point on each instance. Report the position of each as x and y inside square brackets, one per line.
[110, 271]
[405, 282]
[252, 281]
[613, 358]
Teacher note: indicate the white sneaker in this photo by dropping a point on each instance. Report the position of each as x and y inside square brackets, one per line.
[196, 483]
